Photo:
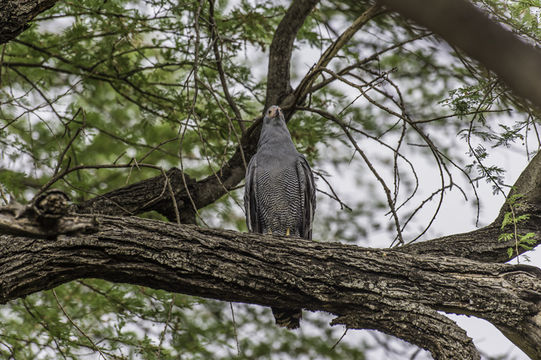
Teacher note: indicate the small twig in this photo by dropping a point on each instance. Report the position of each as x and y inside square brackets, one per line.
[2, 62]
[372, 57]
[3, 195]
[475, 112]
[338, 342]
[468, 138]
[77, 327]
[215, 38]
[83, 167]
[157, 147]
[230, 123]
[306, 83]
[61, 158]
[334, 195]
[44, 324]
[370, 166]
[515, 231]
[162, 335]
[173, 198]
[235, 328]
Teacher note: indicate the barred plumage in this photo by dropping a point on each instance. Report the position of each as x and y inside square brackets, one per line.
[280, 193]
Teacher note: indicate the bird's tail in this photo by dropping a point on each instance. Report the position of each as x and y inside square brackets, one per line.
[287, 318]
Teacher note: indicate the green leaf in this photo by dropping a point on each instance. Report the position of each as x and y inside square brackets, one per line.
[507, 219]
[505, 237]
[528, 238]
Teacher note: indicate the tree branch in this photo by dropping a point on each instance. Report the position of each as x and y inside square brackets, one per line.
[464, 25]
[265, 270]
[14, 16]
[418, 325]
[146, 195]
[479, 245]
[278, 75]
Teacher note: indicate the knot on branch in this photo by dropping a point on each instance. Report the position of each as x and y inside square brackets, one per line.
[48, 207]
[51, 205]
[526, 280]
[47, 216]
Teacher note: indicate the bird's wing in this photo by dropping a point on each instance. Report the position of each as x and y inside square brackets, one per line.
[250, 199]
[308, 192]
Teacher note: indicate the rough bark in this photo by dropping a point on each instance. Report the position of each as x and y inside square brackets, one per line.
[419, 325]
[462, 24]
[386, 290]
[147, 195]
[15, 15]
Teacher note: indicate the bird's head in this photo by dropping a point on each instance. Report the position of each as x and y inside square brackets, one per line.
[274, 113]
[274, 129]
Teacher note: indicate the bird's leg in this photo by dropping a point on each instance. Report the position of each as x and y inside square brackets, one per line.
[287, 232]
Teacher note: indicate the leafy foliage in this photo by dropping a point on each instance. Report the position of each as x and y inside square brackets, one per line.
[511, 219]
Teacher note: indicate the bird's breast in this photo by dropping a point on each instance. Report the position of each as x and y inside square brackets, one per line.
[279, 197]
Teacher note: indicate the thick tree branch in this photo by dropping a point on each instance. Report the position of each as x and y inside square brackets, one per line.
[14, 16]
[231, 266]
[146, 195]
[464, 25]
[418, 325]
[278, 75]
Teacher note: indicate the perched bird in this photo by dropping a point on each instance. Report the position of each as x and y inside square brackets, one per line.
[279, 195]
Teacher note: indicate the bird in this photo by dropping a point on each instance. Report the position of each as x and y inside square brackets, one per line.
[279, 195]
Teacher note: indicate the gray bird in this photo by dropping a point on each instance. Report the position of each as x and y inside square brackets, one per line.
[279, 197]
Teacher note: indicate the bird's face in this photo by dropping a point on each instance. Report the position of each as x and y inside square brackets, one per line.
[273, 111]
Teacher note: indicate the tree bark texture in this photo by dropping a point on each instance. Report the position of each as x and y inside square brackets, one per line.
[487, 248]
[15, 15]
